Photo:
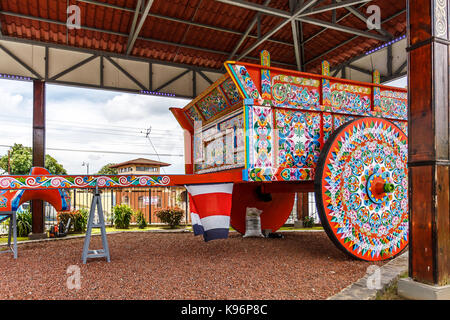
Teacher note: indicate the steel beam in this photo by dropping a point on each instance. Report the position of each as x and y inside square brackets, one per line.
[102, 66]
[141, 38]
[205, 77]
[389, 61]
[139, 26]
[325, 29]
[75, 66]
[126, 73]
[133, 24]
[258, 7]
[342, 28]
[332, 6]
[403, 66]
[192, 23]
[194, 83]
[287, 15]
[349, 40]
[363, 18]
[246, 33]
[393, 77]
[173, 80]
[296, 45]
[21, 62]
[362, 70]
[335, 72]
[299, 11]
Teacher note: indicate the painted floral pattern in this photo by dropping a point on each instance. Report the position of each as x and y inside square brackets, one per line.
[350, 98]
[212, 104]
[262, 137]
[298, 138]
[230, 91]
[296, 92]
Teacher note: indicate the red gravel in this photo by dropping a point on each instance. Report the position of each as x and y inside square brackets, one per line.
[181, 266]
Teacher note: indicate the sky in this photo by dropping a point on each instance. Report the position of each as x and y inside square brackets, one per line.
[97, 120]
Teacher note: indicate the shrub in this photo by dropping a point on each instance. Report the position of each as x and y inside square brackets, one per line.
[308, 222]
[24, 223]
[171, 216]
[140, 219]
[122, 216]
[78, 220]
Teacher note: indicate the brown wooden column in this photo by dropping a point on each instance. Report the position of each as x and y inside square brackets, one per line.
[37, 206]
[429, 158]
[302, 206]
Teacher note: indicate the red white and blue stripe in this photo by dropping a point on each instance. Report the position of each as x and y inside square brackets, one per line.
[210, 207]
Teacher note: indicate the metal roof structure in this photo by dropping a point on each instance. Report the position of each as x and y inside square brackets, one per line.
[178, 47]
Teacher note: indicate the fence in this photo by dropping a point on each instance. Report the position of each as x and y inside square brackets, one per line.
[312, 210]
[148, 201]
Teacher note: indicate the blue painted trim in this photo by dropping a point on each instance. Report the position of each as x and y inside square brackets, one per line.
[245, 175]
[238, 81]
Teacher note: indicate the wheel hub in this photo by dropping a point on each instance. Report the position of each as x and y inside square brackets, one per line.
[378, 188]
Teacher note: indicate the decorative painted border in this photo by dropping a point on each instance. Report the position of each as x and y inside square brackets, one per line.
[352, 154]
[69, 182]
[278, 174]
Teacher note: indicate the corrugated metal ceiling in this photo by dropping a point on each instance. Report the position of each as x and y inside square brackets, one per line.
[217, 28]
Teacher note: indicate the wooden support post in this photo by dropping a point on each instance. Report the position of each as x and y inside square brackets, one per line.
[302, 206]
[429, 157]
[37, 206]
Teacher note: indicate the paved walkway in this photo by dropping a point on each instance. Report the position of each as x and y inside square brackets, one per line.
[367, 287]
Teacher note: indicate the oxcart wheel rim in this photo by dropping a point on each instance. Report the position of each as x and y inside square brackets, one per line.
[365, 226]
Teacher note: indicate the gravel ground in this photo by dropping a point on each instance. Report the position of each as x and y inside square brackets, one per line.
[302, 265]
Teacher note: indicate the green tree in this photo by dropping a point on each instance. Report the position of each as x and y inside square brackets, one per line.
[21, 161]
[106, 169]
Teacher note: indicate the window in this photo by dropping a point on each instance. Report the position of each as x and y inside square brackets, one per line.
[141, 202]
[147, 169]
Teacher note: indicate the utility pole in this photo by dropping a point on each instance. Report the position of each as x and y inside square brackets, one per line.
[9, 162]
[87, 167]
[147, 135]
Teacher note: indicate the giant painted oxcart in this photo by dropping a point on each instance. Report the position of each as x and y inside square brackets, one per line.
[281, 131]
[269, 133]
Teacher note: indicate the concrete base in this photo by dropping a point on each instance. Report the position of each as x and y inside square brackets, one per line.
[414, 290]
[37, 236]
[298, 224]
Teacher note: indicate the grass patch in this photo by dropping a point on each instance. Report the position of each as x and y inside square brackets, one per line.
[301, 229]
[4, 240]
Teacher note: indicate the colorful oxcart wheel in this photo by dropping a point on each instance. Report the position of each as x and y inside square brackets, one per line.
[361, 188]
[276, 207]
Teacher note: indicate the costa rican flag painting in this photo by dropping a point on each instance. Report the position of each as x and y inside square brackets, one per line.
[210, 206]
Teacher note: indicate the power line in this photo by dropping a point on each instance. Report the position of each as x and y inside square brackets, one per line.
[100, 126]
[147, 135]
[172, 136]
[108, 151]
